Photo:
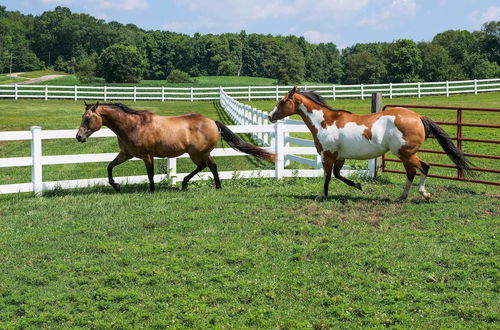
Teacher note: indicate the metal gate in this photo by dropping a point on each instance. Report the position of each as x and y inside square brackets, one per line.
[459, 138]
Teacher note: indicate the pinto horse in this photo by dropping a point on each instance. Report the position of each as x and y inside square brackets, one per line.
[145, 135]
[340, 135]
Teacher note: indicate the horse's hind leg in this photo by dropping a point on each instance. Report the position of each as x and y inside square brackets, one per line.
[120, 158]
[337, 166]
[410, 164]
[213, 168]
[188, 177]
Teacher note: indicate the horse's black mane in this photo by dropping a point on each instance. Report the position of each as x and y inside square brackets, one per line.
[125, 108]
[315, 97]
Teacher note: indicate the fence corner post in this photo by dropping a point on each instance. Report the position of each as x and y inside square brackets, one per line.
[376, 165]
[36, 160]
[279, 149]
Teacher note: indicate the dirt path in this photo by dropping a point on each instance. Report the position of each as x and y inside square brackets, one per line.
[35, 80]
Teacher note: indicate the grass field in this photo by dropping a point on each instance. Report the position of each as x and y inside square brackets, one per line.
[40, 73]
[258, 254]
[4, 79]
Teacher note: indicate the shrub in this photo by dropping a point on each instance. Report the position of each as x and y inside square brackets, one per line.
[178, 76]
[120, 64]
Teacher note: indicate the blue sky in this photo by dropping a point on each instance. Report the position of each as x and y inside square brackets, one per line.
[343, 22]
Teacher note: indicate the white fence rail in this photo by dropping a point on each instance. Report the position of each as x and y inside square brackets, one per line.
[38, 161]
[137, 93]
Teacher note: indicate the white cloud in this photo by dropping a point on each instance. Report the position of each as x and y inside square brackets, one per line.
[388, 16]
[224, 15]
[317, 37]
[490, 14]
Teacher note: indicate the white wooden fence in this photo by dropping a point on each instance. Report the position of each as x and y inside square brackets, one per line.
[40, 163]
[137, 93]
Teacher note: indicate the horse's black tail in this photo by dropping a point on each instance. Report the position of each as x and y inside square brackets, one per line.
[433, 130]
[237, 143]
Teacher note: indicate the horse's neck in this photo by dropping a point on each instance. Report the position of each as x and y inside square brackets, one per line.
[314, 115]
[116, 120]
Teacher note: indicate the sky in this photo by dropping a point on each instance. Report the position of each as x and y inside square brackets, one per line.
[343, 22]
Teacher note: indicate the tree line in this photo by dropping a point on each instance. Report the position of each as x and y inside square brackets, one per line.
[90, 47]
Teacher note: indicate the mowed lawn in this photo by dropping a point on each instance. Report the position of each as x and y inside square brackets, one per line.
[258, 254]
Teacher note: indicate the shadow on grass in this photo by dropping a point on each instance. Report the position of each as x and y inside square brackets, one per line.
[108, 190]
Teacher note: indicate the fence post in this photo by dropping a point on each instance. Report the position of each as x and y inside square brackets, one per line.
[333, 89]
[135, 93]
[390, 91]
[15, 91]
[171, 170]
[362, 92]
[76, 93]
[249, 93]
[418, 87]
[46, 92]
[36, 159]
[377, 163]
[279, 147]
[105, 95]
[163, 93]
[277, 93]
[475, 86]
[191, 94]
[447, 88]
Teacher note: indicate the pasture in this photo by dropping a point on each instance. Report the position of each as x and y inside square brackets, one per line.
[260, 253]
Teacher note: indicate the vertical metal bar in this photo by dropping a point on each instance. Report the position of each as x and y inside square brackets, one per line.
[459, 139]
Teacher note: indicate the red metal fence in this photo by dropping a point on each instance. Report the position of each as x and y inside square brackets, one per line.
[459, 138]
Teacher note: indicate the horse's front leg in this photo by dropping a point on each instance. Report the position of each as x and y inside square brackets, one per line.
[339, 163]
[120, 158]
[328, 161]
[150, 168]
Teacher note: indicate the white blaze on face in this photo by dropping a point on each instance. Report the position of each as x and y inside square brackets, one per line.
[349, 141]
[273, 112]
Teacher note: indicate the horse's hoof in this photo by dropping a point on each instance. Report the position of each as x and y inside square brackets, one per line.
[400, 199]
[320, 198]
[358, 185]
[184, 187]
[428, 197]
[116, 186]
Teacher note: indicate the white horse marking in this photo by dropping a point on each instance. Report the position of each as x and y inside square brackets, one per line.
[349, 141]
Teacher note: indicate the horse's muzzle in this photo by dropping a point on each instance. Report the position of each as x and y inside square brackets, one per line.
[80, 138]
[270, 119]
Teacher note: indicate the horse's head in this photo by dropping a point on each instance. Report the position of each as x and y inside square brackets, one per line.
[287, 106]
[91, 122]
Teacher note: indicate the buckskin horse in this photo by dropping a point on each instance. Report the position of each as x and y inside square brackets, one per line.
[340, 135]
[145, 135]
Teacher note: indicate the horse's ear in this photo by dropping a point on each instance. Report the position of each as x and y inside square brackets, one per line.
[85, 102]
[292, 91]
[94, 108]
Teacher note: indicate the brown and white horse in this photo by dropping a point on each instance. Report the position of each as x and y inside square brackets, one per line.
[340, 135]
[145, 135]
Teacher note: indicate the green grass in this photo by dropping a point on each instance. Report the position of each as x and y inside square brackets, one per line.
[258, 254]
[202, 81]
[40, 73]
[4, 79]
